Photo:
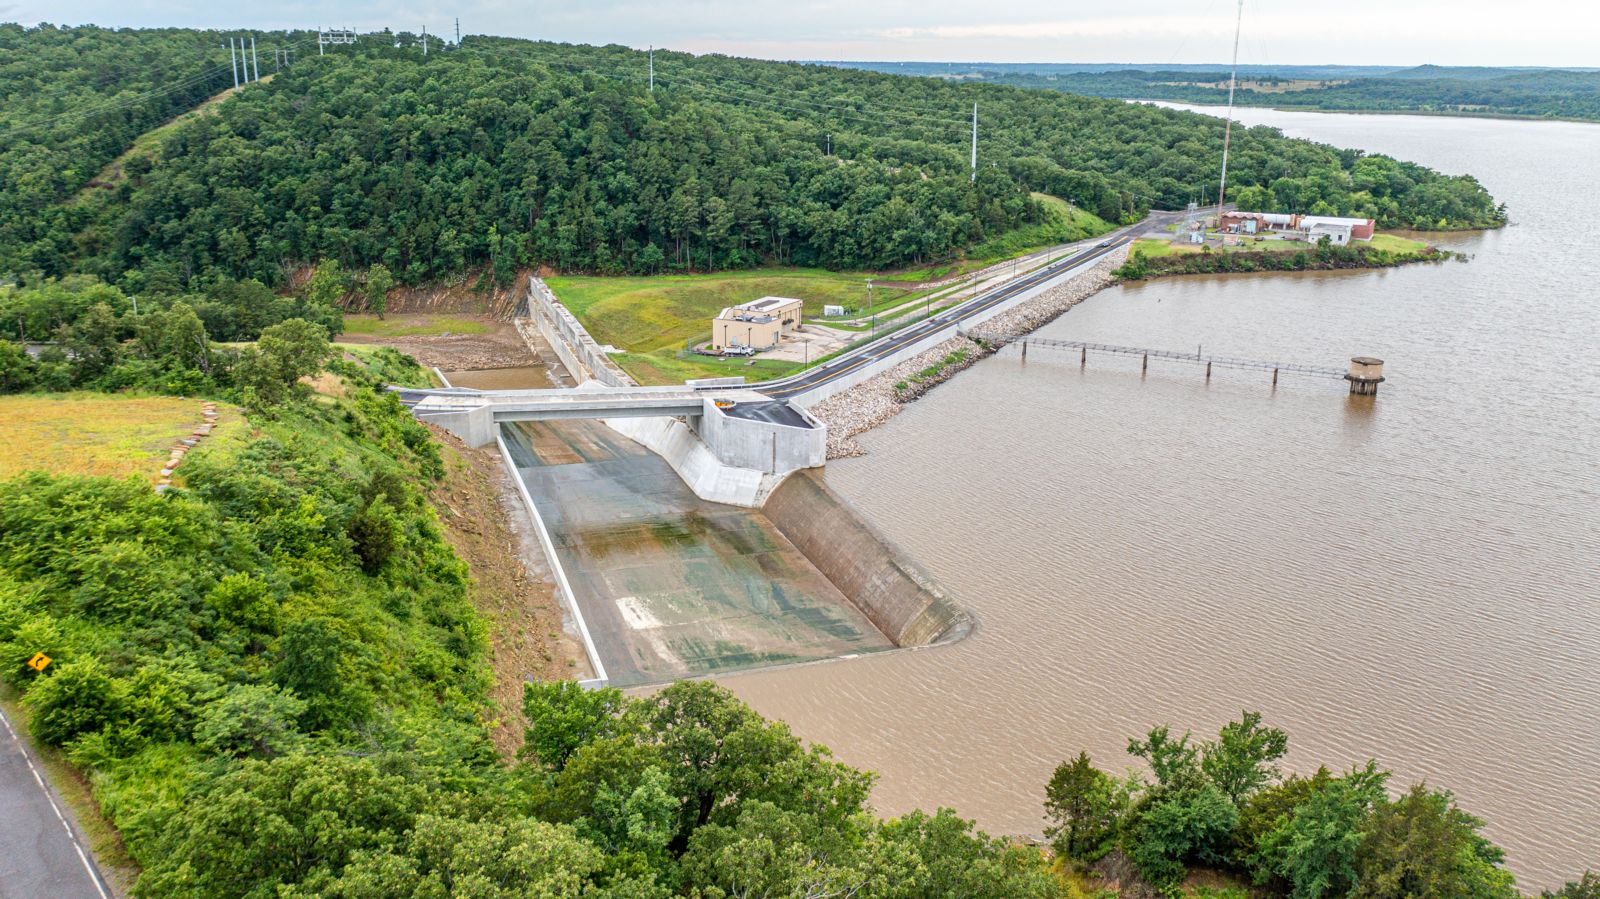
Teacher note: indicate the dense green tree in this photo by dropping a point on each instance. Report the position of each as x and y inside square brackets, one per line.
[1312, 846]
[16, 367]
[1173, 827]
[1422, 846]
[483, 859]
[328, 284]
[563, 717]
[1083, 804]
[1586, 887]
[94, 341]
[376, 532]
[78, 697]
[1174, 762]
[268, 824]
[1244, 757]
[252, 720]
[379, 283]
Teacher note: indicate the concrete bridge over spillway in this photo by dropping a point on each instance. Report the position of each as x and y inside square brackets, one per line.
[729, 443]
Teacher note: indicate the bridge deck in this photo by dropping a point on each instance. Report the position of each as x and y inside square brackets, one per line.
[529, 405]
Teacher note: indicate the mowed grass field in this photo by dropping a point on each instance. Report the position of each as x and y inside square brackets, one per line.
[97, 434]
[643, 314]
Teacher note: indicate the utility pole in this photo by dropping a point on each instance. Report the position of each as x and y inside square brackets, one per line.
[652, 68]
[255, 63]
[425, 39]
[458, 31]
[1227, 128]
[233, 61]
[975, 139]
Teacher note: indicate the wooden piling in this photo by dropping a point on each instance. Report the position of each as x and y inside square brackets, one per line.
[1144, 366]
[1274, 377]
[1208, 369]
[1083, 357]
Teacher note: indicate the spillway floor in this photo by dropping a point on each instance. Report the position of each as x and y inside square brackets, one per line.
[671, 585]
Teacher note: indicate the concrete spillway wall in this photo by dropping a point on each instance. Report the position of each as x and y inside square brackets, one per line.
[905, 602]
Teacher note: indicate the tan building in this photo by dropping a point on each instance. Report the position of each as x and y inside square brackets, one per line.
[758, 324]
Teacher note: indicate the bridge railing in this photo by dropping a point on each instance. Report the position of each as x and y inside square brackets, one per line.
[1147, 353]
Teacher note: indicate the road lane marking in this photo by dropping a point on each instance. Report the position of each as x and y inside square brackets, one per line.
[94, 874]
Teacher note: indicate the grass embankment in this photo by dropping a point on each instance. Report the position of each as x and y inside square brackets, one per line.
[1065, 223]
[96, 434]
[653, 318]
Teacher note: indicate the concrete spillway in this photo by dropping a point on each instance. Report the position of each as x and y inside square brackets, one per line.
[901, 599]
[671, 585]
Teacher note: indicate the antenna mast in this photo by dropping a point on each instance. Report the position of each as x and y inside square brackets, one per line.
[975, 139]
[1227, 128]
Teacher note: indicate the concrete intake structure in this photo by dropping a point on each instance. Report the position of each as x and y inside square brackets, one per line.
[901, 599]
[1366, 373]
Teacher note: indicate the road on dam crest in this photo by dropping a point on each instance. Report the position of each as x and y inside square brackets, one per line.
[950, 320]
[41, 852]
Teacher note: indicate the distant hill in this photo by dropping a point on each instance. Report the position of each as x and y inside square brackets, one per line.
[1450, 90]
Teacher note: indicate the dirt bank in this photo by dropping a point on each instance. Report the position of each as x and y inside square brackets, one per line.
[875, 401]
[461, 341]
[485, 522]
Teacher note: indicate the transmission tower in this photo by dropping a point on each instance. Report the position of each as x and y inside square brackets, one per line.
[1227, 127]
[334, 37]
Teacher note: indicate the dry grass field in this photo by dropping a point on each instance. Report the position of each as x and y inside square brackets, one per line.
[96, 434]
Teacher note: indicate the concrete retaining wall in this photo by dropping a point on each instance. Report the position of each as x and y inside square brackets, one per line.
[762, 445]
[699, 467]
[563, 586]
[905, 602]
[584, 358]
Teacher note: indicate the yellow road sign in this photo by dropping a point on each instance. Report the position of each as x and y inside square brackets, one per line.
[39, 662]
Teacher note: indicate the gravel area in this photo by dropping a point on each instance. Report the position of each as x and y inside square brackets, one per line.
[875, 401]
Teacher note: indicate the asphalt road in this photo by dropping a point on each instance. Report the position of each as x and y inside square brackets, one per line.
[41, 852]
[947, 321]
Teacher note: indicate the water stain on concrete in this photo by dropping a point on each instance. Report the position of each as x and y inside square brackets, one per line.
[673, 586]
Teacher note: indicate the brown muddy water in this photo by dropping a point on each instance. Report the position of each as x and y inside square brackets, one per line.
[519, 377]
[673, 586]
[1415, 580]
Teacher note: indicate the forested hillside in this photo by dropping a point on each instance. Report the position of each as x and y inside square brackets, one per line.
[509, 153]
[71, 101]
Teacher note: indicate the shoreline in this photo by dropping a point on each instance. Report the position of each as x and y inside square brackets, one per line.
[1499, 116]
[874, 401]
[1278, 262]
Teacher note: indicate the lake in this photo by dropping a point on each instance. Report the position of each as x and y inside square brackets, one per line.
[1415, 579]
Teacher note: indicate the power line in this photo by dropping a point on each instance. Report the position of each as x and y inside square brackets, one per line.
[135, 100]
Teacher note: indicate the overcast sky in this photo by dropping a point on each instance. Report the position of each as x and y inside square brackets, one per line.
[1379, 32]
